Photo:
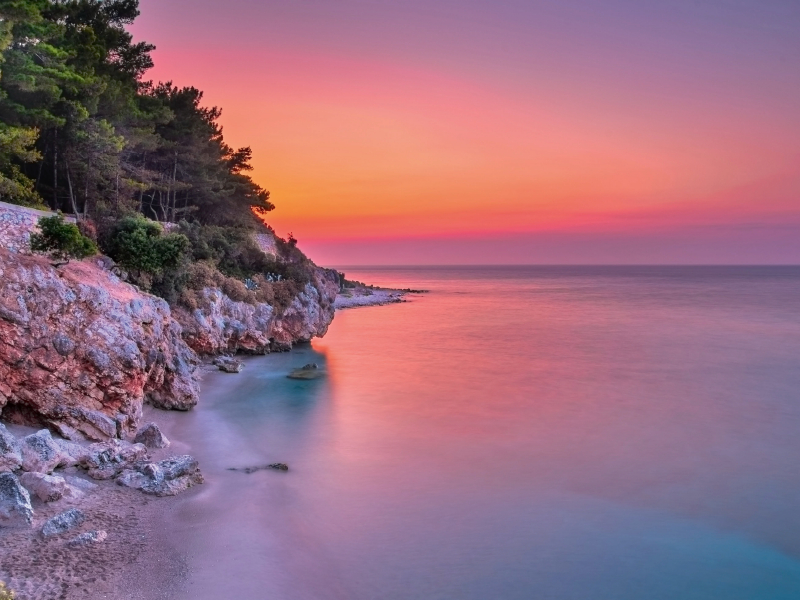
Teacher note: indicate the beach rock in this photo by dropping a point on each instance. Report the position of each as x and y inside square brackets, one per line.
[82, 351]
[106, 460]
[10, 451]
[71, 453]
[48, 488]
[81, 484]
[229, 365]
[279, 466]
[85, 539]
[63, 522]
[151, 436]
[40, 453]
[249, 470]
[15, 502]
[165, 478]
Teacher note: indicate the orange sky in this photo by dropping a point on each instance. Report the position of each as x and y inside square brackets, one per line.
[371, 137]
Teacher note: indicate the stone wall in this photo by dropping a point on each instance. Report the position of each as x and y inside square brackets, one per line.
[17, 223]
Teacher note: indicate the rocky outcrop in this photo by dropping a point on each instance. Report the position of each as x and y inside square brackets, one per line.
[81, 351]
[224, 326]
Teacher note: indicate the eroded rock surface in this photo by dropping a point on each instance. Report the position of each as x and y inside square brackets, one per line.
[225, 326]
[49, 488]
[81, 351]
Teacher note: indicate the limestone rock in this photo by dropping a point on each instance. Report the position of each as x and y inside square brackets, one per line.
[48, 488]
[63, 522]
[81, 351]
[151, 436]
[15, 502]
[85, 539]
[10, 451]
[106, 460]
[40, 453]
[71, 453]
[165, 478]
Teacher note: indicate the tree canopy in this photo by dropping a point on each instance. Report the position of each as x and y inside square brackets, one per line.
[83, 131]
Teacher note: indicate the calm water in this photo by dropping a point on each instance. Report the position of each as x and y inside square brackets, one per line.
[518, 433]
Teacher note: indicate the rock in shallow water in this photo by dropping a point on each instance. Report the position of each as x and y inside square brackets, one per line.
[229, 365]
[309, 371]
[165, 478]
[151, 436]
[63, 522]
[15, 502]
[106, 460]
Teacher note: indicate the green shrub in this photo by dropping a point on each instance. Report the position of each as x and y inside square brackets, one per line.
[5, 593]
[139, 244]
[61, 240]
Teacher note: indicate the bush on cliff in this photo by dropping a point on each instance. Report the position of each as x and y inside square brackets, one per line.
[141, 247]
[61, 240]
[5, 593]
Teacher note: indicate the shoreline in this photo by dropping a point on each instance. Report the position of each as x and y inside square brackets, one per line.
[137, 560]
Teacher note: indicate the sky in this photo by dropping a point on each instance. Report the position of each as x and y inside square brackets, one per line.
[507, 131]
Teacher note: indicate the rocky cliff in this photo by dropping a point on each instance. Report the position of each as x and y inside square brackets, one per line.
[222, 325]
[81, 351]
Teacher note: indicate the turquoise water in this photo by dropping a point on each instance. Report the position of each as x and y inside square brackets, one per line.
[557, 433]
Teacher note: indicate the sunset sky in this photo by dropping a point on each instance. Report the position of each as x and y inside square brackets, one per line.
[507, 131]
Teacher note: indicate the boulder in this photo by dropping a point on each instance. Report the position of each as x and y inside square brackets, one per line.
[63, 522]
[106, 460]
[165, 478]
[229, 365]
[10, 451]
[85, 539]
[49, 488]
[151, 436]
[15, 502]
[40, 453]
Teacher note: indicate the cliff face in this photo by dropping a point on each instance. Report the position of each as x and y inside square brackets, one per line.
[80, 351]
[225, 326]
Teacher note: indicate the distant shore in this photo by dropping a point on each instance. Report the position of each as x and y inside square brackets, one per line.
[364, 295]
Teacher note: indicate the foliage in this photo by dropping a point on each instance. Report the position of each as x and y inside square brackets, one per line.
[140, 245]
[83, 131]
[5, 593]
[61, 240]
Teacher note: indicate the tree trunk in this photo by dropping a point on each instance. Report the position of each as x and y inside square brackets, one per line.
[55, 169]
[72, 195]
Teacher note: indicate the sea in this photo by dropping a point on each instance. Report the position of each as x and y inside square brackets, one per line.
[515, 433]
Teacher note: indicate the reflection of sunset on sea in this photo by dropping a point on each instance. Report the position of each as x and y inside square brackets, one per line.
[372, 123]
